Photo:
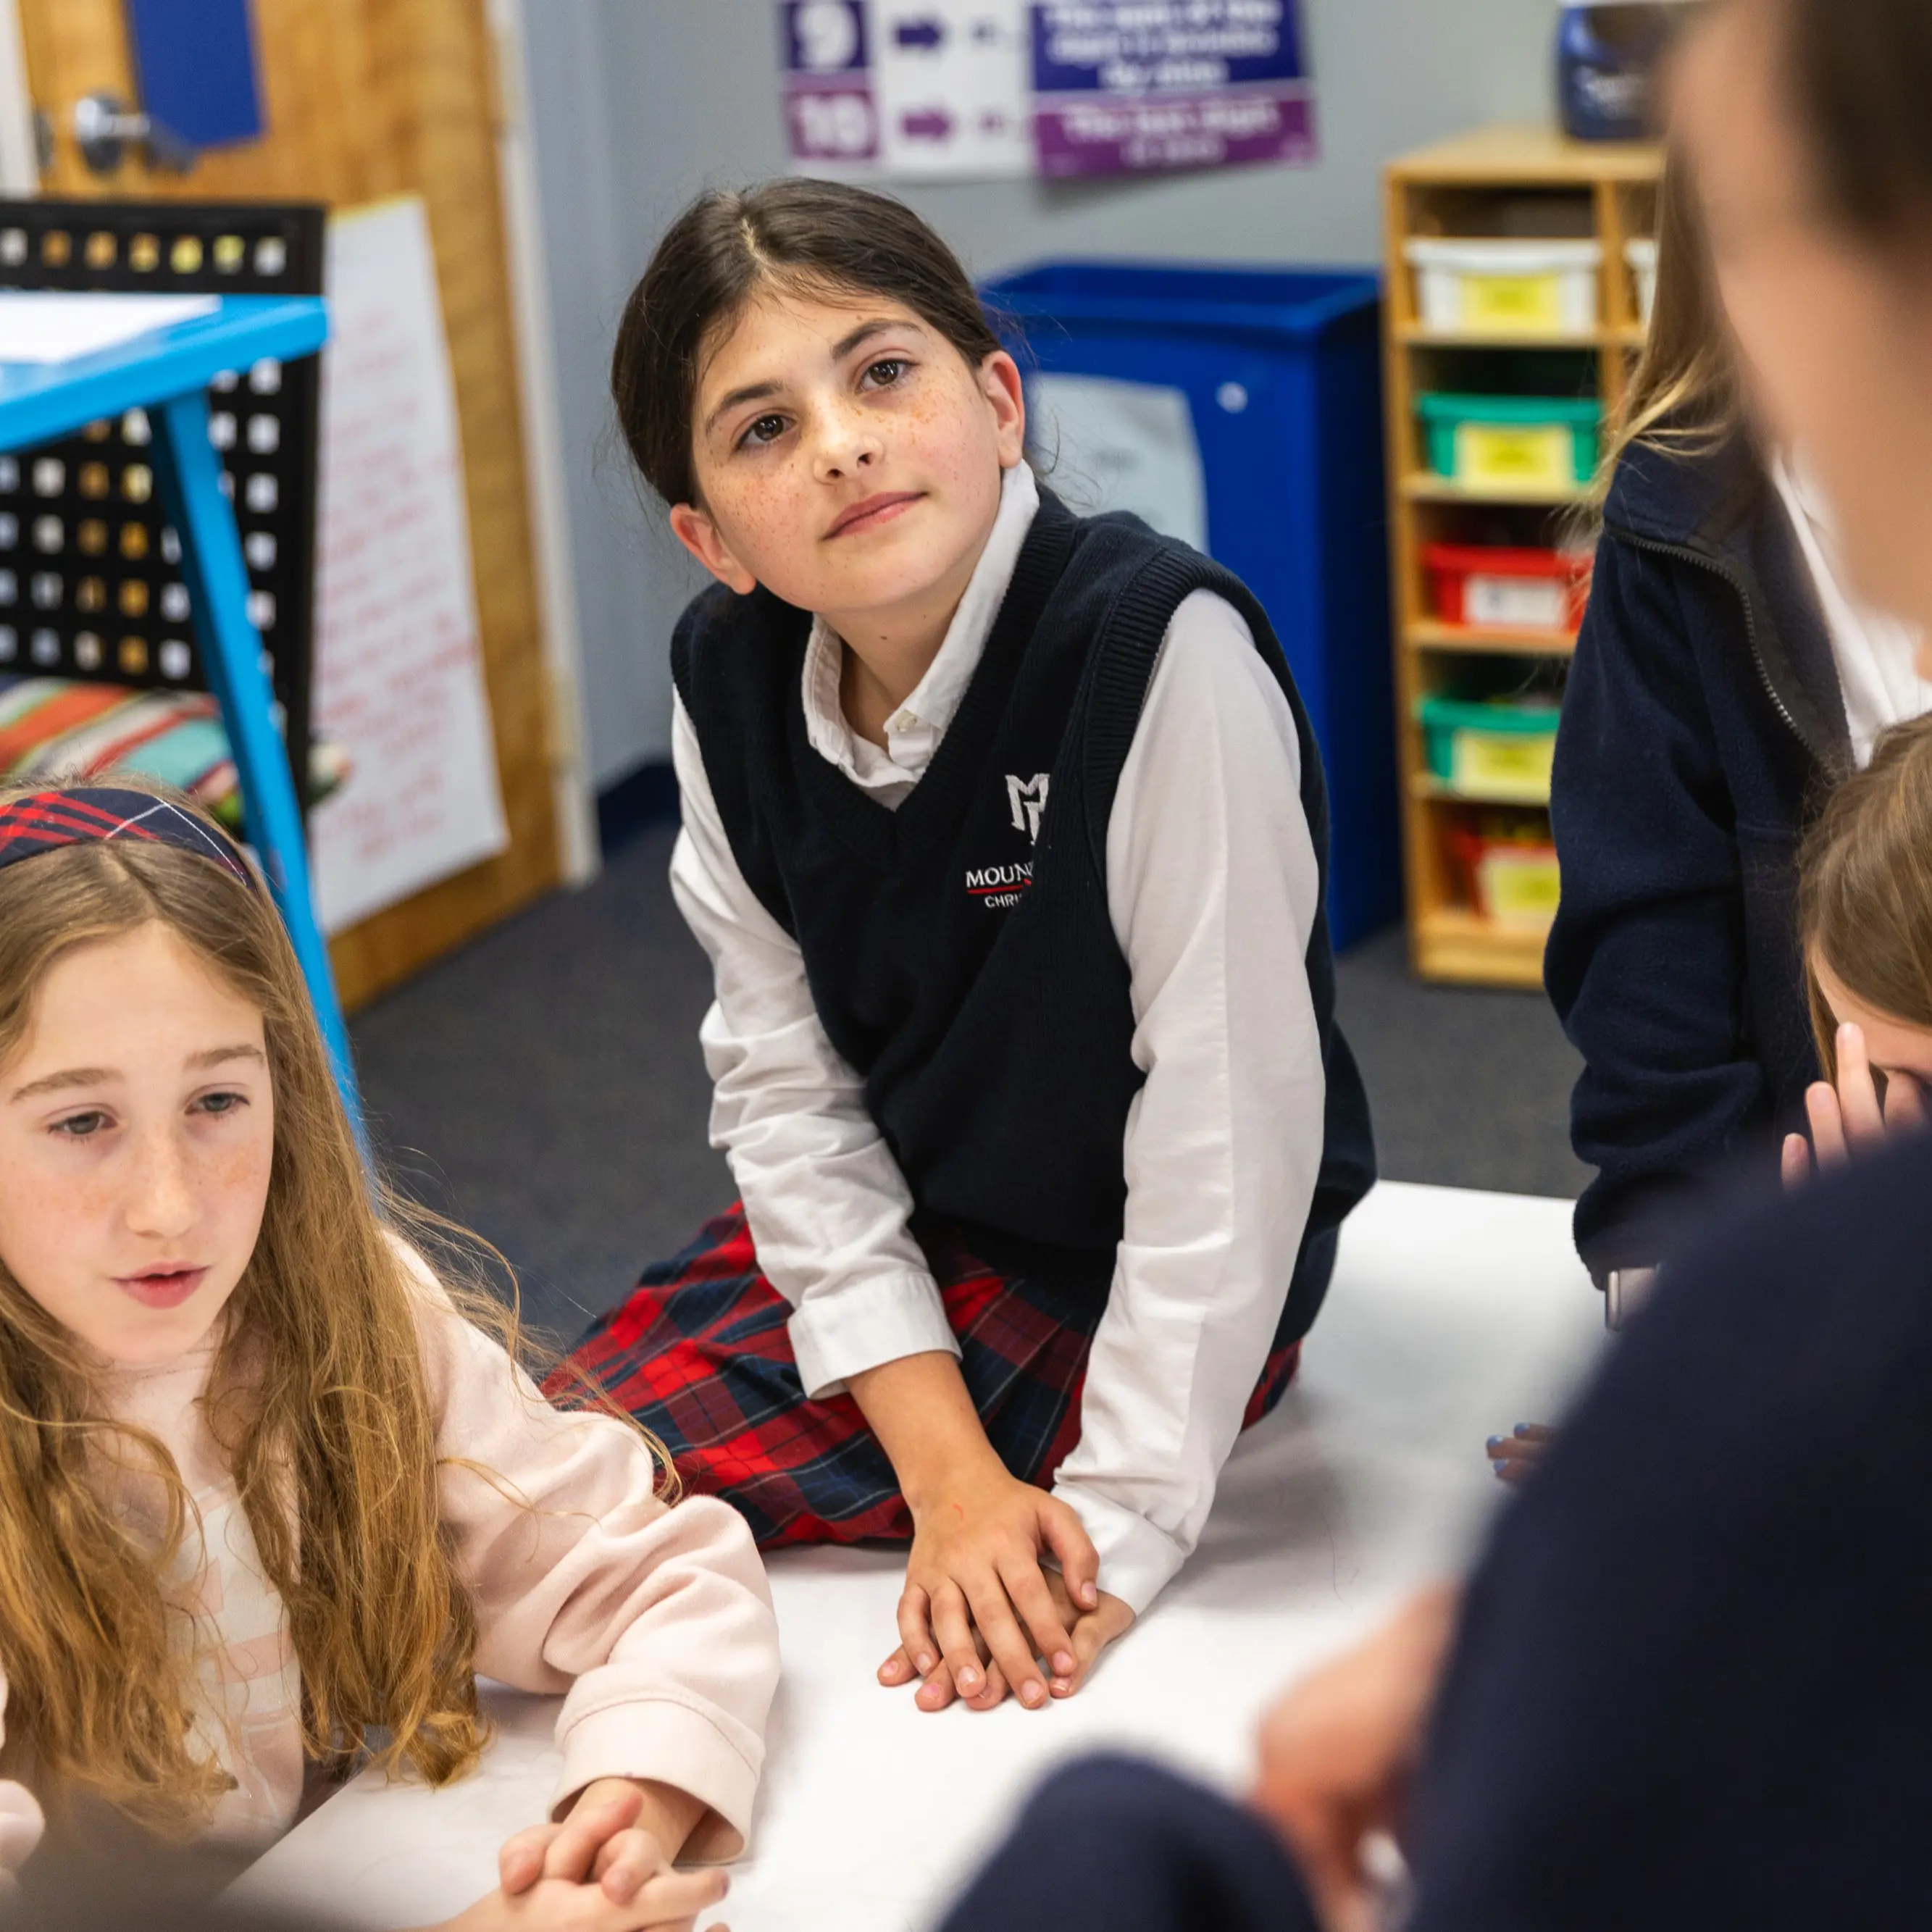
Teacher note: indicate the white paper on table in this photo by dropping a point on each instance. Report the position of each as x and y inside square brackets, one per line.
[398, 658]
[1114, 445]
[38, 326]
[952, 81]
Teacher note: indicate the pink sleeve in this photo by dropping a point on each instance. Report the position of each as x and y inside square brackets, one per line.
[20, 1819]
[655, 1622]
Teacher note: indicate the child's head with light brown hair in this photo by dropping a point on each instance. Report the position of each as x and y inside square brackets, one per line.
[1864, 907]
[177, 1170]
[1683, 395]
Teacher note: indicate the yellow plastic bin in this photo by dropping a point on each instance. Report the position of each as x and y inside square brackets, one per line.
[1506, 443]
[1507, 288]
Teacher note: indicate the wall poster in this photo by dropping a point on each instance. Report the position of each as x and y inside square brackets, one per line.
[1131, 86]
[981, 89]
[398, 658]
[919, 89]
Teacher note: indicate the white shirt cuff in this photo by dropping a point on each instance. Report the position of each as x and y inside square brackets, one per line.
[859, 1325]
[1136, 1559]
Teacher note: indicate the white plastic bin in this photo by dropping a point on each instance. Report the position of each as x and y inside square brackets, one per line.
[1641, 254]
[1501, 287]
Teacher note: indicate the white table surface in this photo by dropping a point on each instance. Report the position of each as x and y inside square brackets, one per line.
[1453, 1316]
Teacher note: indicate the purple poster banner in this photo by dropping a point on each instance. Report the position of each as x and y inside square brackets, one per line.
[1126, 86]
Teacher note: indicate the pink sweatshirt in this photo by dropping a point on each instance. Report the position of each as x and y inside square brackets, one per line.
[655, 1623]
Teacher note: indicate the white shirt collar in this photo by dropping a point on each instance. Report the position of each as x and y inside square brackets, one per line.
[914, 731]
[1876, 654]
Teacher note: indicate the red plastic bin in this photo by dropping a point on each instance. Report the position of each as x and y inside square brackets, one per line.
[1487, 587]
[1508, 873]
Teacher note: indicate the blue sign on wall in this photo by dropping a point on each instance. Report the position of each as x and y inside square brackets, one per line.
[1121, 86]
[195, 60]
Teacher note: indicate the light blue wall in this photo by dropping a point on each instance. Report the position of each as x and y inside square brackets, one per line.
[639, 103]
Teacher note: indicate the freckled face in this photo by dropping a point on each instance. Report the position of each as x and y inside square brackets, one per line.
[137, 1133]
[847, 456]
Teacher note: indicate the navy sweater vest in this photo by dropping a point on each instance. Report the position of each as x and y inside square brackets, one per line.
[959, 950]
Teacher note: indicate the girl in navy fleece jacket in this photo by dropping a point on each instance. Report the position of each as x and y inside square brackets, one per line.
[1722, 682]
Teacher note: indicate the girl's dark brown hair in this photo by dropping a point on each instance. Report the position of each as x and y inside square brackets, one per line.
[1865, 889]
[1860, 73]
[815, 237]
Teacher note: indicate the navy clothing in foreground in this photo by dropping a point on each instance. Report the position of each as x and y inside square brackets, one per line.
[1110, 1845]
[1701, 724]
[1693, 1686]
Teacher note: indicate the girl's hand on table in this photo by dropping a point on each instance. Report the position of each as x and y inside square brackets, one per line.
[978, 1605]
[1515, 1458]
[615, 1845]
[671, 1903]
[1850, 1119]
[1093, 1630]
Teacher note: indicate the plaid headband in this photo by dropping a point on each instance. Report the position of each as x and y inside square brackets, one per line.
[44, 821]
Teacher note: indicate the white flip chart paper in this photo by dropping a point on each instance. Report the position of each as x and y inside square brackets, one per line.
[38, 326]
[399, 669]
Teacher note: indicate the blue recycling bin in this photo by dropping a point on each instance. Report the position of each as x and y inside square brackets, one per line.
[1281, 373]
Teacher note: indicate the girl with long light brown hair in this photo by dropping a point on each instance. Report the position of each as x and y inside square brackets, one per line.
[1724, 681]
[272, 1491]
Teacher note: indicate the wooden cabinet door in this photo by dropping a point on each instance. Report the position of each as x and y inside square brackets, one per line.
[362, 99]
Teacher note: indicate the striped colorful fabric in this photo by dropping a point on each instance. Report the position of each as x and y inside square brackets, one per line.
[72, 814]
[61, 729]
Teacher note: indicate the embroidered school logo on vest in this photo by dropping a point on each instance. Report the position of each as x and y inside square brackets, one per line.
[998, 885]
[1028, 797]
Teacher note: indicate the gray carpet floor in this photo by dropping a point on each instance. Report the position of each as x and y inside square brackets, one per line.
[544, 1087]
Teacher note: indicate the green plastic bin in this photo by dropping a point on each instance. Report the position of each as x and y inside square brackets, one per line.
[1494, 442]
[1495, 748]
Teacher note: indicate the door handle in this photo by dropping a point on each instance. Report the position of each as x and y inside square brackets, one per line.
[103, 127]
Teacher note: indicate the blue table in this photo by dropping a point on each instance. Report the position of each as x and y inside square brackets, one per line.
[166, 371]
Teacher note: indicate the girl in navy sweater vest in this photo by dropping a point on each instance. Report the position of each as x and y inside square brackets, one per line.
[1007, 836]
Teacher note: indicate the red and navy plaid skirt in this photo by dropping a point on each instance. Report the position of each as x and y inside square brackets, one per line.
[699, 1355]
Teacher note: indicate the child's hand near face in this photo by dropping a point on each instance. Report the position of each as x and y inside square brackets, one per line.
[606, 1867]
[1850, 1119]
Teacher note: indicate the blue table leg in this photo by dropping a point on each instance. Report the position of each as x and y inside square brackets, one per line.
[212, 566]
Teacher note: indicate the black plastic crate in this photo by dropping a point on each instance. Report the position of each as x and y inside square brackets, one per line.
[89, 582]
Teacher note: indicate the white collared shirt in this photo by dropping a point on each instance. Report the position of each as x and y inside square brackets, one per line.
[1876, 655]
[1212, 891]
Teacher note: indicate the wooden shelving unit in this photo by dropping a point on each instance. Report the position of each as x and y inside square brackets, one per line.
[1501, 182]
